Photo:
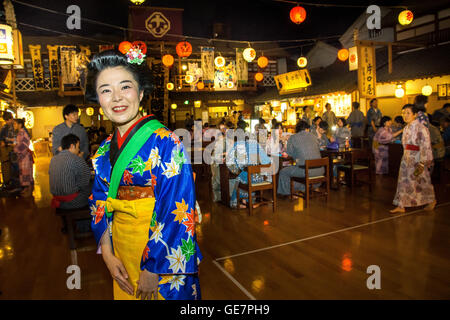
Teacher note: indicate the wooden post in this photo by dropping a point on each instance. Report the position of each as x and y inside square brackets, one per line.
[13, 84]
[390, 58]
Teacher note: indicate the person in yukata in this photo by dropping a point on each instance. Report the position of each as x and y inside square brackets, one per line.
[414, 186]
[143, 197]
[380, 148]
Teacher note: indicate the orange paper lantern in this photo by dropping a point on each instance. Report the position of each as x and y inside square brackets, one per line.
[298, 14]
[302, 62]
[405, 17]
[259, 76]
[263, 62]
[141, 45]
[124, 46]
[168, 60]
[184, 49]
[343, 54]
[200, 86]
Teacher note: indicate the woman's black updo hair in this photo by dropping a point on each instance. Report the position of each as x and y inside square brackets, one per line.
[114, 58]
[385, 119]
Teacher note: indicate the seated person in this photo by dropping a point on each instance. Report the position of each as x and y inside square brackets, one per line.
[69, 176]
[315, 123]
[301, 146]
[321, 134]
[342, 133]
[242, 154]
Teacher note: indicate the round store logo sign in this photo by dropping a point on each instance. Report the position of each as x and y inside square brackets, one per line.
[157, 24]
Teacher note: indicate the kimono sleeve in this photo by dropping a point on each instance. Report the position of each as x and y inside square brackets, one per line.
[172, 246]
[97, 200]
[424, 141]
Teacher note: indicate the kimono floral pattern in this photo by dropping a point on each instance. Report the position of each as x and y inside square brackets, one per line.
[172, 248]
[415, 190]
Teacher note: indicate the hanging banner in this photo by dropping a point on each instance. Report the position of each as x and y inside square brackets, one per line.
[38, 69]
[366, 72]
[241, 66]
[8, 81]
[81, 63]
[17, 49]
[194, 73]
[352, 58]
[292, 82]
[53, 66]
[104, 47]
[154, 23]
[225, 77]
[68, 65]
[207, 55]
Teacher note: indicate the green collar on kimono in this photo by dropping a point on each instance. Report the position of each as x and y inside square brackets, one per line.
[133, 146]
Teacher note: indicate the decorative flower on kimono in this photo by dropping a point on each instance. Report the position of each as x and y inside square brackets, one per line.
[154, 160]
[176, 282]
[172, 169]
[157, 233]
[181, 211]
[176, 260]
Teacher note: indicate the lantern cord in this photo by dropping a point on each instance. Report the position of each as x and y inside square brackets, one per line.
[338, 5]
[183, 37]
[64, 33]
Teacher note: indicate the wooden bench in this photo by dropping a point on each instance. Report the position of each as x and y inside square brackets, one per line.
[70, 216]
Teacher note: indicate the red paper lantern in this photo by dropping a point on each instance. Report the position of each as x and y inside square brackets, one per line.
[124, 46]
[184, 49]
[259, 76]
[200, 86]
[298, 14]
[343, 54]
[263, 62]
[141, 45]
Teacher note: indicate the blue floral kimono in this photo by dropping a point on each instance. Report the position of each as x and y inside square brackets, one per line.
[172, 248]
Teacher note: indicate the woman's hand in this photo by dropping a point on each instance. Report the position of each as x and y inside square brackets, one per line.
[147, 285]
[118, 273]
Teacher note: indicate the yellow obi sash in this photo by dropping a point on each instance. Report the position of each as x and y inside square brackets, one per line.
[130, 234]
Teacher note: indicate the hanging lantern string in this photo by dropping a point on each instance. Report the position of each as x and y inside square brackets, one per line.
[337, 5]
[183, 37]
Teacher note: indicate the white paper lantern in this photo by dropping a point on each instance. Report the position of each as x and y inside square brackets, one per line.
[219, 61]
[302, 62]
[90, 111]
[6, 44]
[230, 85]
[173, 106]
[399, 92]
[427, 90]
[249, 54]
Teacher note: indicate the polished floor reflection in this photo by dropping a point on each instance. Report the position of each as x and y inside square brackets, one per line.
[322, 252]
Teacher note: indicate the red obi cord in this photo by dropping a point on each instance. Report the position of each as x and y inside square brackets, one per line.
[412, 147]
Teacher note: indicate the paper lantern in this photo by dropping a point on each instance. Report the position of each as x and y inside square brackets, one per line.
[302, 62]
[427, 90]
[79, 112]
[184, 67]
[399, 92]
[184, 49]
[197, 104]
[173, 106]
[137, 2]
[168, 60]
[170, 86]
[230, 85]
[297, 14]
[124, 46]
[263, 62]
[249, 54]
[219, 61]
[405, 17]
[343, 54]
[141, 45]
[189, 78]
[29, 119]
[90, 111]
[100, 110]
[259, 76]
[200, 86]
[6, 44]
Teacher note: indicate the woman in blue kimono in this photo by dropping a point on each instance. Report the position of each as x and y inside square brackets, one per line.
[143, 198]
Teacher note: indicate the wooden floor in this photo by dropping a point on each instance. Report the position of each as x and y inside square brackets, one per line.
[319, 253]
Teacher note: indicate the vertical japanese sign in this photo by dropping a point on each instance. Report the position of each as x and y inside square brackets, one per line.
[53, 66]
[352, 58]
[207, 54]
[241, 66]
[366, 71]
[38, 68]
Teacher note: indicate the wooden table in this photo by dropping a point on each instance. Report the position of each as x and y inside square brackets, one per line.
[334, 154]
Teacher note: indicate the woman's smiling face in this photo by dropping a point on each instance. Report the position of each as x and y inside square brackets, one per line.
[118, 94]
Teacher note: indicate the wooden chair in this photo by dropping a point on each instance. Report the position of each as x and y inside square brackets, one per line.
[308, 180]
[253, 187]
[71, 216]
[360, 162]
